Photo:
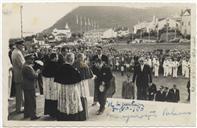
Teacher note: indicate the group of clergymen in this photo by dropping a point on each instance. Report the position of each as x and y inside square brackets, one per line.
[66, 85]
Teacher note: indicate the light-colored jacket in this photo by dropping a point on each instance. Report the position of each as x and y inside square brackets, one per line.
[17, 60]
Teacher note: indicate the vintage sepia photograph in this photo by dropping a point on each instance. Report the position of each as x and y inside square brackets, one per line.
[99, 64]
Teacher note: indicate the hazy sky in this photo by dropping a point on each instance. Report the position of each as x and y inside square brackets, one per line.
[37, 17]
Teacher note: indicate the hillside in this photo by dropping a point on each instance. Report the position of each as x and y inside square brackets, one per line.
[112, 16]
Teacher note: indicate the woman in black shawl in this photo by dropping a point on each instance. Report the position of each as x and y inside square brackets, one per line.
[50, 88]
[68, 80]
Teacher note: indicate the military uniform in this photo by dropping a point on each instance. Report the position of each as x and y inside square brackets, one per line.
[29, 81]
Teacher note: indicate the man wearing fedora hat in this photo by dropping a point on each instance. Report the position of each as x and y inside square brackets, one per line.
[17, 62]
[29, 83]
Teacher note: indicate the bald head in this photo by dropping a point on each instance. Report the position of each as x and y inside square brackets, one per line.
[141, 60]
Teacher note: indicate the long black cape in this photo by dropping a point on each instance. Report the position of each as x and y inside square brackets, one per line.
[67, 74]
[50, 69]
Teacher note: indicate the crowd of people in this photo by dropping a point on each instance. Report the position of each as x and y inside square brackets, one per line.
[62, 75]
[166, 63]
[163, 94]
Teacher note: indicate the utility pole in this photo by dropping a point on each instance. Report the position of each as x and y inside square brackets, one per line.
[21, 16]
[149, 35]
[81, 28]
[167, 34]
[167, 30]
[157, 30]
[176, 28]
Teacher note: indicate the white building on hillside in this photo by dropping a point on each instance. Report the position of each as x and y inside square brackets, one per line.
[109, 33]
[146, 26]
[94, 35]
[62, 33]
[122, 32]
[140, 26]
[39, 39]
[98, 34]
[157, 24]
[172, 23]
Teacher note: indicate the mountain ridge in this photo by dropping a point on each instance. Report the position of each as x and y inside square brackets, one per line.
[111, 16]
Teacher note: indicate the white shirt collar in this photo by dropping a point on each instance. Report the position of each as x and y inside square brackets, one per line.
[99, 56]
[142, 67]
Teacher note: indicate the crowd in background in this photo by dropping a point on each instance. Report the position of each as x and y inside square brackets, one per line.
[172, 62]
[62, 76]
[47, 69]
[166, 63]
[162, 94]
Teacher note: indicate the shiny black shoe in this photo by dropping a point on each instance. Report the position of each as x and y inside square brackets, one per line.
[94, 103]
[35, 118]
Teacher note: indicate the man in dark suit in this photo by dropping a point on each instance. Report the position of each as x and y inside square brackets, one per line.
[174, 94]
[161, 94]
[100, 55]
[152, 90]
[143, 77]
[167, 94]
[96, 70]
[104, 78]
[29, 79]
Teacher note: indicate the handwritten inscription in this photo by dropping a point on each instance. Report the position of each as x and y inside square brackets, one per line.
[147, 116]
[121, 107]
[173, 112]
[134, 110]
